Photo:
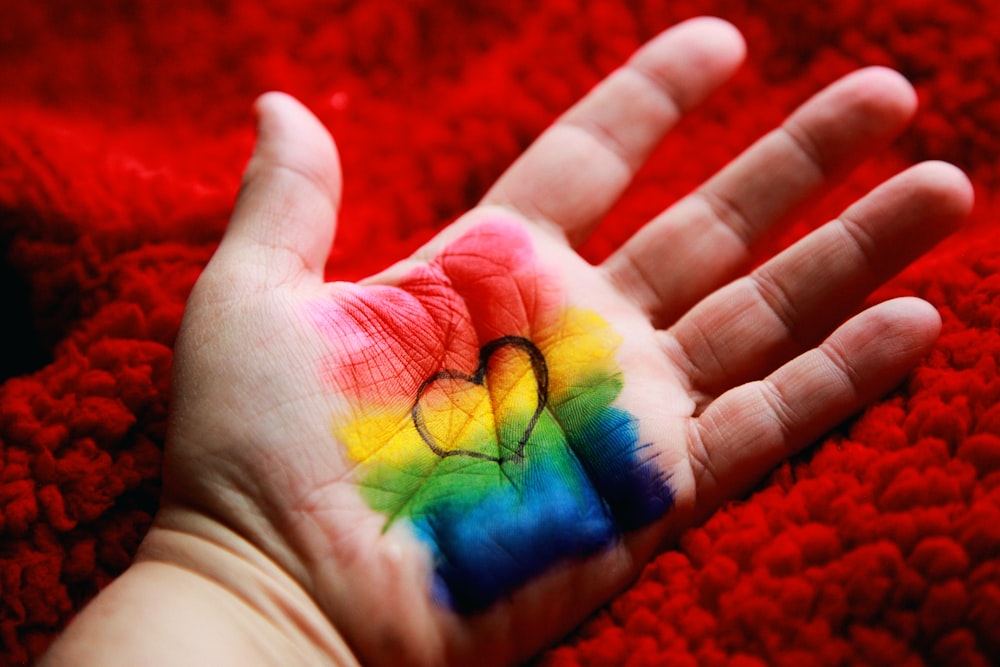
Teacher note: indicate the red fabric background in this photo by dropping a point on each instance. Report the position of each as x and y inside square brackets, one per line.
[123, 130]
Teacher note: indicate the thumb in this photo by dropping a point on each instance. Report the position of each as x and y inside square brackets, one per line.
[283, 223]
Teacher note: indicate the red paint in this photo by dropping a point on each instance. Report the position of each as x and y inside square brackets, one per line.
[386, 332]
[504, 288]
[485, 285]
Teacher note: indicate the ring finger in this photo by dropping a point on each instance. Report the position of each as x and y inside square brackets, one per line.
[747, 328]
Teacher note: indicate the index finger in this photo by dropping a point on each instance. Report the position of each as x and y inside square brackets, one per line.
[577, 169]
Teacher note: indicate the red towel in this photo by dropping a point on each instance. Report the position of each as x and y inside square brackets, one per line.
[124, 127]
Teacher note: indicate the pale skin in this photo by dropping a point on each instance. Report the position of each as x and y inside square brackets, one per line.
[264, 551]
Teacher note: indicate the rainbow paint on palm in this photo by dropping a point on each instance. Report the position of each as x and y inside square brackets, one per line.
[482, 413]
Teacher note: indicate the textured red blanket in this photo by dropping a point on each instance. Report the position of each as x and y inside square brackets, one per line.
[123, 130]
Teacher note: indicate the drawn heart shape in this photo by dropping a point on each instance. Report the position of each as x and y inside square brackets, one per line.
[468, 397]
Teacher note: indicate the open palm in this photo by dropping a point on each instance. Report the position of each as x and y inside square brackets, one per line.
[457, 459]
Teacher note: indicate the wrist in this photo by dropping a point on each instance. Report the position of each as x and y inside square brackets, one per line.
[199, 594]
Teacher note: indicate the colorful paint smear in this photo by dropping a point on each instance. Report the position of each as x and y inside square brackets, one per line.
[482, 413]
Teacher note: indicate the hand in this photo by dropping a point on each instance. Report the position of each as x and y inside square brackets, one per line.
[456, 460]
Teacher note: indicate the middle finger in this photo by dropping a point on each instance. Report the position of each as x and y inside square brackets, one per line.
[718, 224]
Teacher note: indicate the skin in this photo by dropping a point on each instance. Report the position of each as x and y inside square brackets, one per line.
[497, 436]
[274, 545]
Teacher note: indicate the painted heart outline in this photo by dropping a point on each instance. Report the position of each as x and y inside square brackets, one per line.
[538, 367]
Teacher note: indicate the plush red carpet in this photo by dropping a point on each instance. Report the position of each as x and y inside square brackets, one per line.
[124, 127]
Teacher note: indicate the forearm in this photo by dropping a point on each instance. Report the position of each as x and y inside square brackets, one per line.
[228, 610]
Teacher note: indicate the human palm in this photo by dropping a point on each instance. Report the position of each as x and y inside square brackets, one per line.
[459, 458]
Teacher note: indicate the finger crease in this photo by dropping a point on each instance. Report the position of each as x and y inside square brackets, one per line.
[778, 300]
[308, 175]
[606, 139]
[861, 239]
[653, 299]
[702, 466]
[785, 417]
[804, 142]
[842, 363]
[729, 215]
[662, 86]
[529, 209]
[695, 365]
[677, 356]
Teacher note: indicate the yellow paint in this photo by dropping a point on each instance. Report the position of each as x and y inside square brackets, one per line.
[579, 345]
[462, 415]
